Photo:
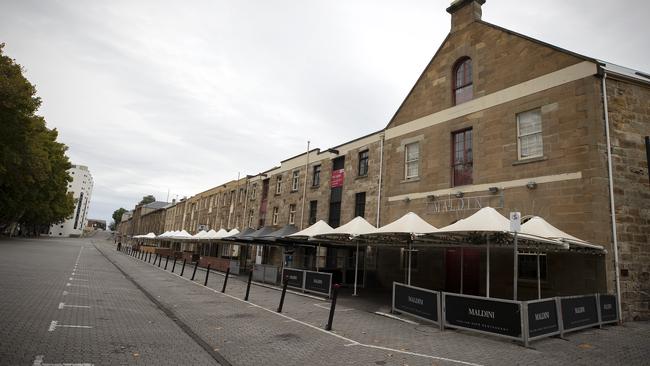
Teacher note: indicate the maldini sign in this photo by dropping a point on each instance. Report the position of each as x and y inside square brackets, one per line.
[453, 204]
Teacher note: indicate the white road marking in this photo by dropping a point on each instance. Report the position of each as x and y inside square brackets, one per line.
[396, 318]
[77, 279]
[65, 293]
[52, 326]
[69, 284]
[351, 341]
[63, 305]
[326, 307]
[55, 324]
[38, 361]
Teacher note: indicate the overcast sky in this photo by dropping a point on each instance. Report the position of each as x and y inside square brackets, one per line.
[180, 96]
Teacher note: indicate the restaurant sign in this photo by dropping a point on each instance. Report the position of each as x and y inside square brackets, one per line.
[453, 204]
[499, 317]
[416, 301]
[337, 178]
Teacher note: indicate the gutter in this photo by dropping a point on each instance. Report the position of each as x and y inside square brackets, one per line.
[611, 197]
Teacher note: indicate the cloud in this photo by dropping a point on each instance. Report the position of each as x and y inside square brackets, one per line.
[158, 96]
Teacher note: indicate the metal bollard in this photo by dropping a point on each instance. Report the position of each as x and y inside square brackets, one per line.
[174, 265]
[159, 260]
[335, 294]
[149, 257]
[248, 286]
[155, 259]
[225, 281]
[284, 291]
[166, 262]
[207, 273]
[194, 273]
[183, 269]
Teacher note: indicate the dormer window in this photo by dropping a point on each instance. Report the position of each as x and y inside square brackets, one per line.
[463, 89]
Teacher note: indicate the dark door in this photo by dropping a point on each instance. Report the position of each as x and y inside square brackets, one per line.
[471, 275]
[462, 159]
[336, 191]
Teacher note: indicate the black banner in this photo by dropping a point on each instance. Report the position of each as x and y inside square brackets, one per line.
[542, 318]
[295, 276]
[579, 311]
[318, 282]
[608, 312]
[416, 302]
[483, 314]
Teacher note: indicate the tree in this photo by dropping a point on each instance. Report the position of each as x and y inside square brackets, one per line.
[117, 218]
[33, 165]
[147, 199]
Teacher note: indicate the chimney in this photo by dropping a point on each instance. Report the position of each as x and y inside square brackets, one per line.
[464, 13]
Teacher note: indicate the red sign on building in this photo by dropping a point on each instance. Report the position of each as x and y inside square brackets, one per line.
[337, 178]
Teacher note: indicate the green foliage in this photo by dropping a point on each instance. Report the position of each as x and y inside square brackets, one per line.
[117, 218]
[147, 199]
[33, 165]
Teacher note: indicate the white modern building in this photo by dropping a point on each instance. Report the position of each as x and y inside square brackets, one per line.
[81, 188]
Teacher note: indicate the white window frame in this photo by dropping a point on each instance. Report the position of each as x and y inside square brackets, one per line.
[520, 136]
[274, 216]
[292, 213]
[251, 215]
[241, 195]
[295, 180]
[408, 162]
[253, 191]
[278, 184]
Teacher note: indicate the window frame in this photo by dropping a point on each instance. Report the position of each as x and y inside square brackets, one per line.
[313, 212]
[407, 162]
[468, 78]
[278, 184]
[358, 204]
[295, 180]
[292, 213]
[453, 155]
[315, 175]
[274, 215]
[363, 166]
[540, 133]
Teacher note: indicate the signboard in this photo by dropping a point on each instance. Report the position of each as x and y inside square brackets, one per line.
[337, 178]
[579, 311]
[500, 317]
[318, 282]
[295, 276]
[416, 301]
[608, 308]
[542, 318]
[515, 221]
[453, 204]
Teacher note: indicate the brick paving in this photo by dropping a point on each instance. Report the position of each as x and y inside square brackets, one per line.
[127, 328]
[252, 333]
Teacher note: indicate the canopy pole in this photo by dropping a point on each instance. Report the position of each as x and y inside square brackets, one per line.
[515, 270]
[408, 282]
[462, 257]
[317, 254]
[487, 276]
[356, 269]
[539, 282]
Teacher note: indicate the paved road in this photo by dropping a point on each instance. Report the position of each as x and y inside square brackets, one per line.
[210, 325]
[62, 301]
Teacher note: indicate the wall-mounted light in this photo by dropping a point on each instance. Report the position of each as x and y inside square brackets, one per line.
[494, 189]
[407, 200]
[459, 194]
[531, 185]
[333, 151]
[431, 197]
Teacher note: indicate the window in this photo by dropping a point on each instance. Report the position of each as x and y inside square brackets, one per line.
[363, 163]
[463, 89]
[527, 266]
[360, 204]
[254, 191]
[278, 185]
[313, 212]
[294, 180]
[274, 218]
[251, 213]
[529, 134]
[462, 157]
[411, 160]
[292, 213]
[315, 176]
[241, 195]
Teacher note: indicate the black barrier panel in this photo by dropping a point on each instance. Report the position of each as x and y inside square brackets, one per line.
[608, 311]
[318, 282]
[416, 302]
[579, 311]
[484, 315]
[295, 276]
[542, 318]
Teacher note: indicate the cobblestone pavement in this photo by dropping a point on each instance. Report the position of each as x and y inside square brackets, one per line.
[252, 333]
[63, 302]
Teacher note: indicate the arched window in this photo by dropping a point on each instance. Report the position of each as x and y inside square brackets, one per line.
[463, 90]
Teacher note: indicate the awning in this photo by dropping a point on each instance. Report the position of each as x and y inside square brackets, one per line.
[358, 226]
[285, 231]
[318, 228]
[540, 227]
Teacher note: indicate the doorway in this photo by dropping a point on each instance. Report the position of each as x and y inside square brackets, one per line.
[471, 259]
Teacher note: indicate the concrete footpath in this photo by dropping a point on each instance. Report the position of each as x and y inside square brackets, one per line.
[247, 333]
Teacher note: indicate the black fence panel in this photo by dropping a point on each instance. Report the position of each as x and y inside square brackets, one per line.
[500, 317]
[579, 312]
[416, 301]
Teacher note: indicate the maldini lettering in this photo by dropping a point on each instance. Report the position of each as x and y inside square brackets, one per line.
[580, 310]
[416, 300]
[481, 313]
[542, 316]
